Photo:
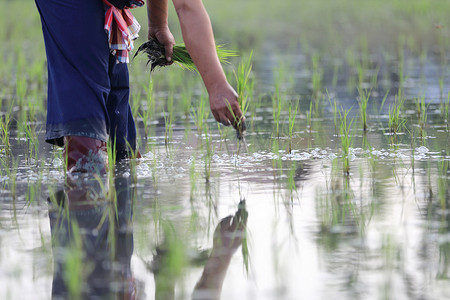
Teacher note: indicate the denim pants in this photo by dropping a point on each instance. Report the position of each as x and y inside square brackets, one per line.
[88, 92]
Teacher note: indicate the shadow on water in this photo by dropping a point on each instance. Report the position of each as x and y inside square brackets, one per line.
[91, 222]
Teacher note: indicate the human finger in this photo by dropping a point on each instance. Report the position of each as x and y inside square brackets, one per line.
[168, 48]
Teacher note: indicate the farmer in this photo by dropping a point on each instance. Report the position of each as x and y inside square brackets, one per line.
[87, 44]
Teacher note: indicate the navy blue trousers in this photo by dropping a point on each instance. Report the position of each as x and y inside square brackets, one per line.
[88, 92]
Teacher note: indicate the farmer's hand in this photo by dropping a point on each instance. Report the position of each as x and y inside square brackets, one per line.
[165, 37]
[224, 104]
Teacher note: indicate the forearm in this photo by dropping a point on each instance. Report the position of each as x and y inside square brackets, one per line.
[199, 39]
[157, 11]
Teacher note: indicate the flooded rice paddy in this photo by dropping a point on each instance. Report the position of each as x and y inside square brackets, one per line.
[340, 188]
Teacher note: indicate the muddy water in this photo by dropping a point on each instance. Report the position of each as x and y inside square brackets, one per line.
[301, 229]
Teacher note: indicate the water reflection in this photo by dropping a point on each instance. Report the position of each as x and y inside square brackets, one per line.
[92, 241]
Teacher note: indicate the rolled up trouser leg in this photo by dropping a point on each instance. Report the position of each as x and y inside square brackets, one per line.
[85, 155]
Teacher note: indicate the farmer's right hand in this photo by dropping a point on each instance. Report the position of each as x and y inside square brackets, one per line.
[165, 37]
[223, 100]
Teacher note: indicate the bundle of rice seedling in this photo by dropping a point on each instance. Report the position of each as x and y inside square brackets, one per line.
[156, 55]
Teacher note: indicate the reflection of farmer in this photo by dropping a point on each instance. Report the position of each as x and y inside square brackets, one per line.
[88, 86]
[228, 237]
[92, 241]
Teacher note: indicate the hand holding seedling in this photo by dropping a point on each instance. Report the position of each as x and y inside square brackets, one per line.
[157, 12]
[225, 107]
[165, 37]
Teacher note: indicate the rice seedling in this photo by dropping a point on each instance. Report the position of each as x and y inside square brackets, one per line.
[364, 96]
[239, 125]
[336, 69]
[380, 109]
[150, 107]
[244, 83]
[276, 113]
[32, 192]
[208, 155]
[441, 87]
[445, 108]
[401, 67]
[168, 120]
[156, 55]
[11, 171]
[309, 118]
[186, 97]
[5, 124]
[111, 150]
[317, 75]
[292, 115]
[280, 78]
[37, 72]
[135, 102]
[422, 108]
[28, 132]
[335, 113]
[361, 71]
[396, 122]
[346, 139]
[443, 193]
[200, 114]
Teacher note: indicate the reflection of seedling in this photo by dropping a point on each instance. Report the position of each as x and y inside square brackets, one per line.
[74, 272]
[243, 215]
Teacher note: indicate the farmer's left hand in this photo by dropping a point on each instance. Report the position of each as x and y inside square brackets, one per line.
[224, 104]
[165, 37]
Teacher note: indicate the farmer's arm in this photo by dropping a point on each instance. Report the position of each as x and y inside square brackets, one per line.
[199, 39]
[157, 11]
